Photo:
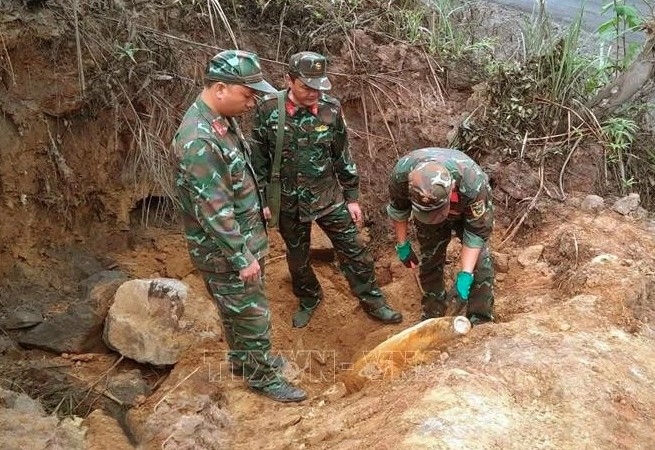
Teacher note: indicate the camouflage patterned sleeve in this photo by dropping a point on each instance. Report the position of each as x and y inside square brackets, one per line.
[261, 152]
[207, 177]
[344, 166]
[478, 217]
[399, 208]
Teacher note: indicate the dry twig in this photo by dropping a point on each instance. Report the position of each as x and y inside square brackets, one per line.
[368, 139]
[438, 94]
[566, 161]
[508, 236]
[11, 67]
[154, 408]
[78, 48]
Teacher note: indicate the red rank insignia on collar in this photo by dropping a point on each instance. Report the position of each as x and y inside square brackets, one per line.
[219, 127]
[292, 108]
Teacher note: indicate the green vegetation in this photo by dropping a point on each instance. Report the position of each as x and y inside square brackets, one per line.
[620, 134]
[625, 19]
[532, 106]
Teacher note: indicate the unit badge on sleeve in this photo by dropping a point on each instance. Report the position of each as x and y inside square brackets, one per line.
[478, 209]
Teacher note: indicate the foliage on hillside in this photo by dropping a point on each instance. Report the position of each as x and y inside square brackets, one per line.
[143, 60]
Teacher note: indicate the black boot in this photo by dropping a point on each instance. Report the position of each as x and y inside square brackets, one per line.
[281, 391]
[305, 311]
[384, 314]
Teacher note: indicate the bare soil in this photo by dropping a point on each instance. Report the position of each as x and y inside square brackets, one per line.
[569, 362]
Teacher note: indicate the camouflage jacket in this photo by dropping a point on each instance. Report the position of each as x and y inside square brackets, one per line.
[472, 202]
[317, 171]
[216, 186]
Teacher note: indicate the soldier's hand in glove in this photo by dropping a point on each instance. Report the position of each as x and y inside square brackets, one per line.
[463, 284]
[406, 254]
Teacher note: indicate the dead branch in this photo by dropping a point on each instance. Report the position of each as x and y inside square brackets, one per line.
[440, 90]
[512, 231]
[626, 85]
[154, 408]
[566, 161]
[58, 159]
[384, 118]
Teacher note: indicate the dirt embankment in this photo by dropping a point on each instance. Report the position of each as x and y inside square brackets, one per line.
[567, 365]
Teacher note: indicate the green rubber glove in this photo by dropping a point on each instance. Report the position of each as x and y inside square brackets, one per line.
[463, 284]
[406, 254]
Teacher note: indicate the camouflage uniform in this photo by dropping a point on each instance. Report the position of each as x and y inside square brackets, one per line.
[222, 216]
[318, 176]
[470, 216]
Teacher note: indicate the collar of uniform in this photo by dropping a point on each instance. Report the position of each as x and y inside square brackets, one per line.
[292, 108]
[219, 123]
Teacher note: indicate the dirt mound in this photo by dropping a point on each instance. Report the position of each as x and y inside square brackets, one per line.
[568, 363]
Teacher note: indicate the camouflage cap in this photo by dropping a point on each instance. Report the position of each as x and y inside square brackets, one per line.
[310, 68]
[430, 185]
[238, 67]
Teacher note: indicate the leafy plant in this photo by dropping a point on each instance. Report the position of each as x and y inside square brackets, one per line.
[619, 133]
[625, 19]
[531, 103]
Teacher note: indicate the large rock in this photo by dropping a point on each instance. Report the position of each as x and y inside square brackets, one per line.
[21, 317]
[627, 205]
[79, 328]
[25, 425]
[105, 433]
[144, 321]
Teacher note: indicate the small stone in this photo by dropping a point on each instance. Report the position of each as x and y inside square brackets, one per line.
[501, 277]
[501, 262]
[604, 258]
[592, 203]
[640, 213]
[335, 392]
[564, 327]
[530, 255]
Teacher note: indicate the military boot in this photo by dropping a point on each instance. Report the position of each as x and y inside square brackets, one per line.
[384, 314]
[305, 311]
[281, 391]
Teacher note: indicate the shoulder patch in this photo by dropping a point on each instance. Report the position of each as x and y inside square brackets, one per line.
[268, 97]
[478, 209]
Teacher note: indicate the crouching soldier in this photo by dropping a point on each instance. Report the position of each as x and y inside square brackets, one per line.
[444, 190]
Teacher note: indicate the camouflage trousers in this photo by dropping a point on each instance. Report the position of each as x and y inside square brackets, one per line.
[433, 241]
[246, 320]
[354, 260]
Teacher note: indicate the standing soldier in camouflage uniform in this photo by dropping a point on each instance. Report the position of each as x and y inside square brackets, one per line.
[223, 218]
[318, 181]
[445, 190]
